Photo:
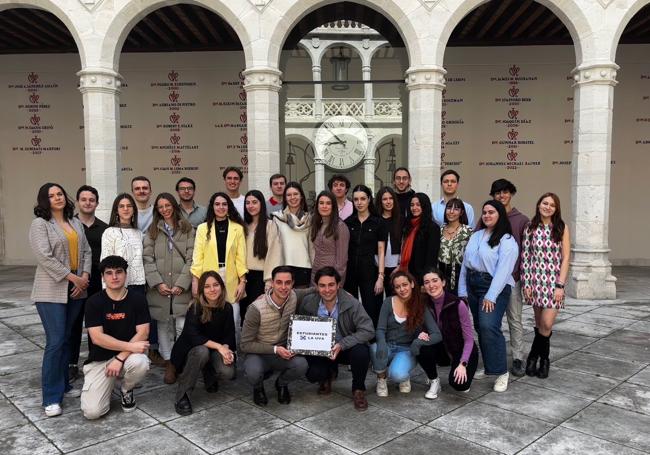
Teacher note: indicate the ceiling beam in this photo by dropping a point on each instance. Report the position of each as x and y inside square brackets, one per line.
[33, 39]
[473, 19]
[52, 20]
[162, 15]
[149, 22]
[139, 30]
[203, 18]
[539, 10]
[200, 37]
[544, 24]
[512, 19]
[32, 24]
[497, 14]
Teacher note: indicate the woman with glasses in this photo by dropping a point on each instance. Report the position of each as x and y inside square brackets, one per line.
[454, 235]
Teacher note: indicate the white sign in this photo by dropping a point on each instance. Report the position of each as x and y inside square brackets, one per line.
[310, 335]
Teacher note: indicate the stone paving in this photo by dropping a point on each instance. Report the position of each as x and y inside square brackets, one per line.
[596, 400]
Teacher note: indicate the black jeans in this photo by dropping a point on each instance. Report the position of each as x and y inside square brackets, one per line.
[360, 279]
[200, 359]
[428, 359]
[322, 368]
[254, 289]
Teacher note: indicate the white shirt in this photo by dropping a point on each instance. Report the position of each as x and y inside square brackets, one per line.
[239, 204]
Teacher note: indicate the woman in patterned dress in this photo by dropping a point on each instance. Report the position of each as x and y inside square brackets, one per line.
[454, 235]
[544, 269]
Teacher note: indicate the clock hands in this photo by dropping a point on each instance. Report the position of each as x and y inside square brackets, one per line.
[334, 134]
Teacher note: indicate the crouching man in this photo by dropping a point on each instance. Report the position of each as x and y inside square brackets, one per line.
[354, 330]
[118, 329]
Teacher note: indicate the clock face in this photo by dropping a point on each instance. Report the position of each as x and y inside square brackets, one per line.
[342, 142]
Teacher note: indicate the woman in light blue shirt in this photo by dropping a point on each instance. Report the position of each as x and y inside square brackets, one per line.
[486, 281]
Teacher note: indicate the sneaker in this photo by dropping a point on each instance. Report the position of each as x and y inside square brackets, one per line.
[72, 393]
[434, 389]
[128, 402]
[382, 387]
[53, 410]
[480, 374]
[518, 368]
[501, 384]
[405, 387]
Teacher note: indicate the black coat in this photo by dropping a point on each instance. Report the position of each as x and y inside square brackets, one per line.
[220, 329]
[425, 250]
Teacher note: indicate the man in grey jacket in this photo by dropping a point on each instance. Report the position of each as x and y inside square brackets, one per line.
[354, 329]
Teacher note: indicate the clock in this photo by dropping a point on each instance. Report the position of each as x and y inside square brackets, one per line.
[342, 142]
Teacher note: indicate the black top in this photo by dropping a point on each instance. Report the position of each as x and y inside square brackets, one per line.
[425, 250]
[404, 200]
[94, 236]
[364, 236]
[222, 238]
[395, 243]
[118, 318]
[220, 329]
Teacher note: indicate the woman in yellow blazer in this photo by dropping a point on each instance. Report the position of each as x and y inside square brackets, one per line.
[220, 245]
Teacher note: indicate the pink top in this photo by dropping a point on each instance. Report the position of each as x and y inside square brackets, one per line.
[346, 211]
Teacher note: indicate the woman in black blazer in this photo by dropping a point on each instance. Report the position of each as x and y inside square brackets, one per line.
[207, 342]
[421, 240]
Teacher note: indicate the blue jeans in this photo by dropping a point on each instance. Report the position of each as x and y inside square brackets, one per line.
[57, 319]
[399, 362]
[488, 325]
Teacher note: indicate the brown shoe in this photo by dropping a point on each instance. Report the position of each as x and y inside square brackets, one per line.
[359, 399]
[325, 387]
[170, 373]
[156, 358]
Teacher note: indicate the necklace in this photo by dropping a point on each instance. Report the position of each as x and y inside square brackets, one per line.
[451, 234]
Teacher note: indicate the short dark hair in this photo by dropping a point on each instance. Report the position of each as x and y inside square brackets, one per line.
[327, 271]
[186, 180]
[277, 176]
[282, 269]
[339, 178]
[502, 185]
[230, 169]
[89, 188]
[113, 262]
[402, 168]
[141, 177]
[450, 172]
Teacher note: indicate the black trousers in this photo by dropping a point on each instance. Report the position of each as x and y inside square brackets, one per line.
[254, 289]
[360, 280]
[322, 368]
[428, 360]
[301, 277]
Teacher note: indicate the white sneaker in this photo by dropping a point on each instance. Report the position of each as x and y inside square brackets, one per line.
[382, 387]
[73, 393]
[480, 374]
[53, 410]
[501, 384]
[434, 389]
[405, 387]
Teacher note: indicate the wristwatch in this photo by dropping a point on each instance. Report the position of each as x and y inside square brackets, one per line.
[464, 364]
[559, 285]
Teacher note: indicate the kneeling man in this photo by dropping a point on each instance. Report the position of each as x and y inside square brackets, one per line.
[118, 329]
[264, 339]
[354, 329]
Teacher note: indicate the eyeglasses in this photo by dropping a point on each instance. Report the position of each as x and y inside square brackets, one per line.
[185, 188]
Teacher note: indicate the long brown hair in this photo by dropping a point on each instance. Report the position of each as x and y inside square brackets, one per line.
[202, 303]
[317, 220]
[179, 222]
[557, 224]
[233, 214]
[414, 305]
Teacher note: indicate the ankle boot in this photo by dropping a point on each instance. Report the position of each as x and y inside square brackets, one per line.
[533, 356]
[544, 365]
[544, 351]
[170, 373]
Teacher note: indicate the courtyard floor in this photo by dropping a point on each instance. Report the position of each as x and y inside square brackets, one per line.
[596, 400]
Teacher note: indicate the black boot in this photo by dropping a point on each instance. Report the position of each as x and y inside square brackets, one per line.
[533, 356]
[284, 397]
[259, 396]
[544, 351]
[183, 406]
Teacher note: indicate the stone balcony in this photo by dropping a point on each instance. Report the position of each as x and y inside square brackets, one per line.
[384, 110]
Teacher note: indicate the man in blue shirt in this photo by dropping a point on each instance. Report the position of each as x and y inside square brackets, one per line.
[449, 181]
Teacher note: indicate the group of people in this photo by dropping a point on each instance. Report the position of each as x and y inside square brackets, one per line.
[191, 288]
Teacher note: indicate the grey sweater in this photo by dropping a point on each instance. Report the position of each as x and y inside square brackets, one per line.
[391, 331]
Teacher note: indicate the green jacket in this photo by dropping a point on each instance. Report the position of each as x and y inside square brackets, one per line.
[353, 323]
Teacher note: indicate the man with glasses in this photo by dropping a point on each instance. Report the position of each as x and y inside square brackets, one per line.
[402, 186]
[449, 181]
[192, 212]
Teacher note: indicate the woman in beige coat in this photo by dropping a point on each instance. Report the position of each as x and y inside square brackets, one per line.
[63, 262]
[167, 257]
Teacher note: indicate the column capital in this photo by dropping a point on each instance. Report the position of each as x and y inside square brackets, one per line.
[431, 77]
[99, 80]
[597, 74]
[318, 161]
[262, 78]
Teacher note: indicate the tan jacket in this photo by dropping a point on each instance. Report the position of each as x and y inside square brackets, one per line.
[265, 326]
[164, 266]
[52, 251]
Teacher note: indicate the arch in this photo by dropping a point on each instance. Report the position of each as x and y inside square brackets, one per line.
[567, 11]
[294, 12]
[125, 19]
[636, 6]
[51, 7]
[334, 44]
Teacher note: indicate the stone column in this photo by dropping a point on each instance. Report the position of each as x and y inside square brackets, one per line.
[100, 88]
[425, 85]
[367, 91]
[590, 274]
[369, 162]
[262, 85]
[319, 174]
[318, 92]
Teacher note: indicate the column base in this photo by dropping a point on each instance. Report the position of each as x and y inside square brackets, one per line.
[590, 277]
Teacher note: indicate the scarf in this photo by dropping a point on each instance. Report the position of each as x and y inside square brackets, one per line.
[301, 222]
[409, 242]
